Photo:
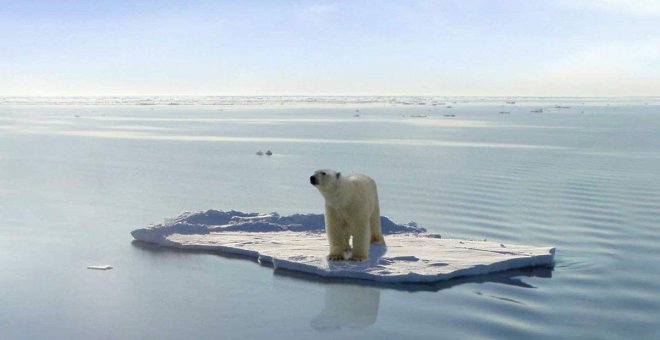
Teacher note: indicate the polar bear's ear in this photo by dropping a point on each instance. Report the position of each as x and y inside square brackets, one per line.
[338, 175]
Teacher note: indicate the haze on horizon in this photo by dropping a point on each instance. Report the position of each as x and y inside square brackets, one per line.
[450, 47]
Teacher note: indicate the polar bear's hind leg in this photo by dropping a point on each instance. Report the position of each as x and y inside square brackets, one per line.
[376, 232]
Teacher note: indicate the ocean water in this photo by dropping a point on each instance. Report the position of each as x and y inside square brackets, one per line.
[76, 179]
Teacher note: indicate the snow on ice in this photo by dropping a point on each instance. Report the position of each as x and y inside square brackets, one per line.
[298, 242]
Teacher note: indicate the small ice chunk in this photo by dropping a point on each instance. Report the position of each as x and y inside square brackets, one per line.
[100, 267]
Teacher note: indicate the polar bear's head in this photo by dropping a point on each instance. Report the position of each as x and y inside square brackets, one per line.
[325, 180]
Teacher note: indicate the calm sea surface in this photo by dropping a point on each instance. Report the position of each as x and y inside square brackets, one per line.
[75, 180]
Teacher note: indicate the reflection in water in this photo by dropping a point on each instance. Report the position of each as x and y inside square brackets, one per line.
[353, 303]
[509, 277]
[356, 306]
[347, 306]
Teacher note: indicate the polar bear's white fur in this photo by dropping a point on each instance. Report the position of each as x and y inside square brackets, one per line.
[351, 209]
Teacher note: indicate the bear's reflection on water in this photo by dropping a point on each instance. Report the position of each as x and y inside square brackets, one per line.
[355, 306]
[348, 306]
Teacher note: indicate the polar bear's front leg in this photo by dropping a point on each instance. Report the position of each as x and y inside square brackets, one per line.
[361, 240]
[337, 232]
[338, 242]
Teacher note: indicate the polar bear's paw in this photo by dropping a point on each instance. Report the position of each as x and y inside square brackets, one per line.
[357, 258]
[334, 257]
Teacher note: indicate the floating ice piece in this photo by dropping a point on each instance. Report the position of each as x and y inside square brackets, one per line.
[297, 243]
[100, 267]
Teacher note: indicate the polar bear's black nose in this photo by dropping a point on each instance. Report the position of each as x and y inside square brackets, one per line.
[312, 180]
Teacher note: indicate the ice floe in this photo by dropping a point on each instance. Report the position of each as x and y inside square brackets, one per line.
[100, 267]
[298, 243]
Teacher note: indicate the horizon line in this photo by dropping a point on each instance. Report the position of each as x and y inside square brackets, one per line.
[323, 95]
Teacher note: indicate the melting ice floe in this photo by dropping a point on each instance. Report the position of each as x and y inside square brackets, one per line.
[298, 242]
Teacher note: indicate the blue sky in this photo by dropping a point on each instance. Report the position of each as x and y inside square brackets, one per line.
[545, 48]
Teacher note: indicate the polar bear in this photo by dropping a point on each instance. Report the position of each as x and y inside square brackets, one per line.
[351, 209]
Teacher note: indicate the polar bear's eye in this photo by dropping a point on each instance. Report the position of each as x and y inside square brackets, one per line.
[322, 173]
